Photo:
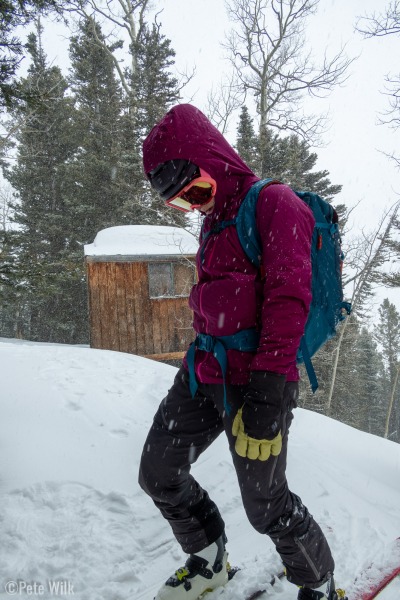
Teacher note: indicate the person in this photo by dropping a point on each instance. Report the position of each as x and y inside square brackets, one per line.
[257, 317]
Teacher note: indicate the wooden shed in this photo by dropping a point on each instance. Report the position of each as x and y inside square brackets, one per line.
[139, 279]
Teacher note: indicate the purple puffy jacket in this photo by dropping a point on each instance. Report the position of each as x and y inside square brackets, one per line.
[229, 295]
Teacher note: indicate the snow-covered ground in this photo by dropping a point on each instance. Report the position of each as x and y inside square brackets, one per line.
[74, 522]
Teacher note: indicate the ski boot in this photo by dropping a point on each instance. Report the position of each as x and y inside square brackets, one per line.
[326, 592]
[202, 572]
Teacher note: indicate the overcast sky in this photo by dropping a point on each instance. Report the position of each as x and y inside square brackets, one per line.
[352, 143]
[354, 140]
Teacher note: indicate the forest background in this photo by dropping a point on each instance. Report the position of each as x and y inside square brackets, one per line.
[71, 153]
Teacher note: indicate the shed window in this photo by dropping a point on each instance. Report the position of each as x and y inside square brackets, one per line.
[161, 281]
[170, 280]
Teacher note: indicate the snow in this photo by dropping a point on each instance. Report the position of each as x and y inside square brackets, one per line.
[142, 240]
[73, 421]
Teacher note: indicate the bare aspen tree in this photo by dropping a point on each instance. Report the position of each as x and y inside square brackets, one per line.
[267, 48]
[381, 23]
[6, 196]
[223, 101]
[365, 259]
[126, 19]
[378, 25]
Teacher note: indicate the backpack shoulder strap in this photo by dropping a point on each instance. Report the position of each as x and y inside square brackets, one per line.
[246, 225]
[245, 222]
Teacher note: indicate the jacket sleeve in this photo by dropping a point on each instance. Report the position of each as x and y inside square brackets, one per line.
[286, 225]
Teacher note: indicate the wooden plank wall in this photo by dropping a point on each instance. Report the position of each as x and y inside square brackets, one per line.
[124, 318]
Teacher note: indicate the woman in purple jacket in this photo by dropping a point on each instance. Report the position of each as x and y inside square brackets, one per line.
[191, 165]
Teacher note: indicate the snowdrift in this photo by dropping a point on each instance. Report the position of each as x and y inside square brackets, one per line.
[72, 425]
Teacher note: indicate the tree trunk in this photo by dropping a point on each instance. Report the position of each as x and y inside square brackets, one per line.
[391, 403]
[328, 405]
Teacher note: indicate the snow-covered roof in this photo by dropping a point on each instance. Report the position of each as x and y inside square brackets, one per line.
[142, 240]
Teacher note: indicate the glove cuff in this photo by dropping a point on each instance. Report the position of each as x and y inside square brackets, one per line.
[261, 380]
[262, 407]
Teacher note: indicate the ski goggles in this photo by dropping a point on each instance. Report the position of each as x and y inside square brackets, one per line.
[195, 194]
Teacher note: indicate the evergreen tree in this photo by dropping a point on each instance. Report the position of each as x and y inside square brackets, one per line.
[368, 400]
[273, 157]
[153, 91]
[344, 396]
[155, 87]
[246, 140]
[41, 241]
[299, 165]
[359, 397]
[15, 14]
[287, 159]
[387, 334]
[9, 293]
[94, 171]
[345, 405]
[8, 283]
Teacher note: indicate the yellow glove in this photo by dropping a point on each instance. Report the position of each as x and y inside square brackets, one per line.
[252, 448]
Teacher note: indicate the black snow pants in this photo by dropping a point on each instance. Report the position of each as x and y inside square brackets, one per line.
[183, 428]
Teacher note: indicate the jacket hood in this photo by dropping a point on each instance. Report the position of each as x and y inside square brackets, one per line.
[186, 133]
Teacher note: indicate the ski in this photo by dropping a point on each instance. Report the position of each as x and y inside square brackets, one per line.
[375, 590]
[378, 577]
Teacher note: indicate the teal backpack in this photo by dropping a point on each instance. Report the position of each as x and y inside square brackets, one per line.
[327, 306]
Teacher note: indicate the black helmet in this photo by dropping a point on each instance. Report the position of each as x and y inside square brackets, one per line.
[170, 177]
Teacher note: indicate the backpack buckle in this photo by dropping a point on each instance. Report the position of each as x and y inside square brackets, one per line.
[205, 342]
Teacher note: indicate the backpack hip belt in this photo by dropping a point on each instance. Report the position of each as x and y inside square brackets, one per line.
[246, 340]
